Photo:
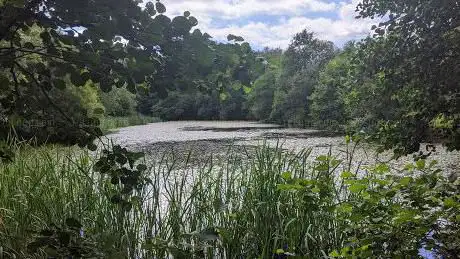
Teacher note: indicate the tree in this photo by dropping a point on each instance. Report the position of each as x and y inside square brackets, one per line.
[420, 64]
[306, 52]
[210, 80]
[327, 107]
[119, 102]
[301, 64]
[107, 42]
[262, 95]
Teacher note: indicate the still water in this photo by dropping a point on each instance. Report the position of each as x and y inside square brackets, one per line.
[205, 138]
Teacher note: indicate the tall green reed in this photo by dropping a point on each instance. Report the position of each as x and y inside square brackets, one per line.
[253, 204]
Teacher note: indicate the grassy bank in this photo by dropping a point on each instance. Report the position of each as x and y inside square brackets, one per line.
[110, 123]
[269, 204]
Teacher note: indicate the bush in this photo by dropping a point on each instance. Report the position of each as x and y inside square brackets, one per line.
[119, 102]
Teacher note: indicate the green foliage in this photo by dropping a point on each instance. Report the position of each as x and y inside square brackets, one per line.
[420, 70]
[327, 107]
[119, 102]
[261, 98]
[300, 67]
[47, 47]
[391, 215]
[125, 173]
[208, 84]
[67, 241]
[273, 202]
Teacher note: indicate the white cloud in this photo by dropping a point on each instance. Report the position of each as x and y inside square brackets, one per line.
[289, 17]
[231, 9]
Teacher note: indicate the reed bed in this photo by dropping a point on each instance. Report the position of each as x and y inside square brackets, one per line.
[260, 204]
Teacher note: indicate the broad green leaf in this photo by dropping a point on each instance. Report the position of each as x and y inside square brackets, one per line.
[223, 96]
[322, 158]
[286, 175]
[347, 174]
[247, 90]
[316, 190]
[421, 164]
[345, 207]
[357, 187]
[405, 181]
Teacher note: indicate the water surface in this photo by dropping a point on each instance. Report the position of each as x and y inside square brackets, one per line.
[205, 138]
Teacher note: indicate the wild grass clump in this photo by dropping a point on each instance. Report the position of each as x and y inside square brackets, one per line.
[46, 186]
[261, 204]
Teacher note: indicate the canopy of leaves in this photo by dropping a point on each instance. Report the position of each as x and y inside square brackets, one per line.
[420, 50]
[47, 46]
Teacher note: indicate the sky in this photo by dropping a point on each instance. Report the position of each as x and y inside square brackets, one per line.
[273, 23]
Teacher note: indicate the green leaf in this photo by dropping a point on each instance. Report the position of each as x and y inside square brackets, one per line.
[345, 207]
[421, 164]
[382, 168]
[247, 90]
[334, 253]
[316, 190]
[279, 251]
[322, 158]
[357, 188]
[346, 175]
[286, 175]
[289, 187]
[405, 181]
[223, 96]
[160, 7]
[347, 139]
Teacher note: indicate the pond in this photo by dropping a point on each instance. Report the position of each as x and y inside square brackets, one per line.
[204, 138]
[221, 138]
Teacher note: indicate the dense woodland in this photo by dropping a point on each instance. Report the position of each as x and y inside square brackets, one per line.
[65, 65]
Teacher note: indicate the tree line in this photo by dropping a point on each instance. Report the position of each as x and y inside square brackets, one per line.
[399, 85]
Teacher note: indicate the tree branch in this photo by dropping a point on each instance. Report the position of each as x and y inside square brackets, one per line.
[16, 82]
